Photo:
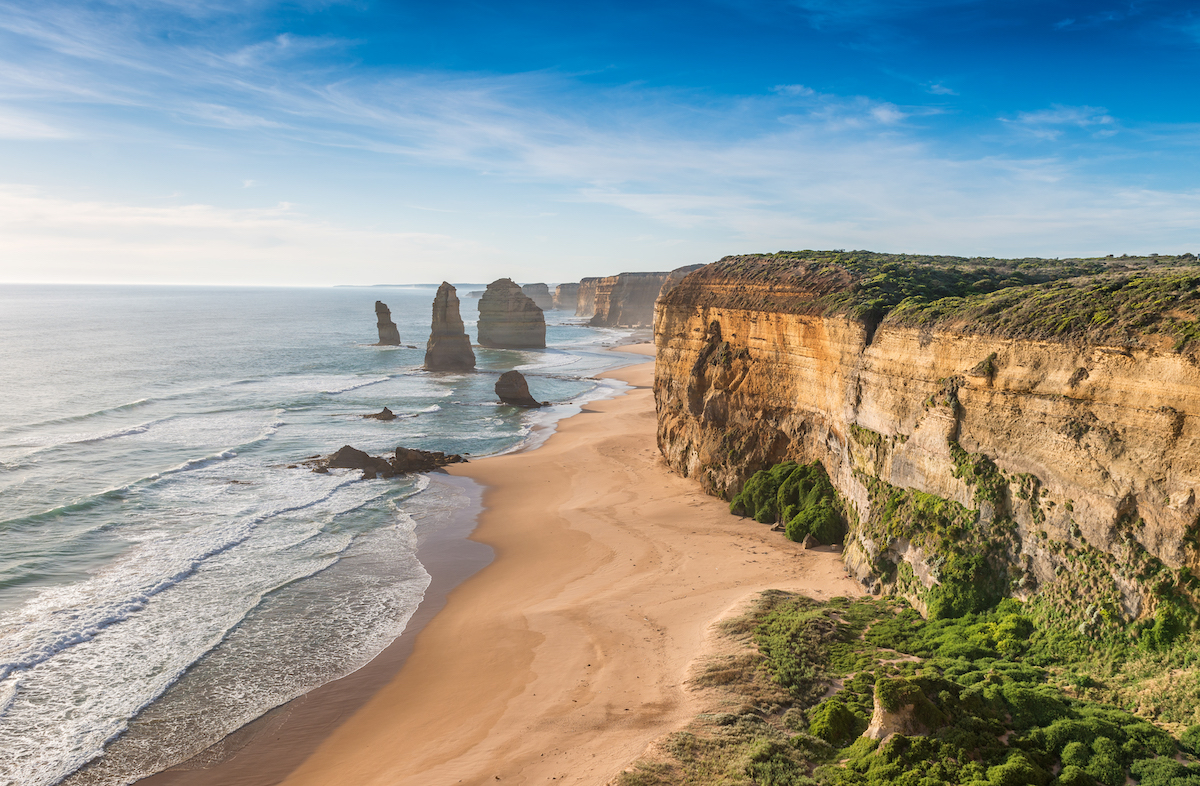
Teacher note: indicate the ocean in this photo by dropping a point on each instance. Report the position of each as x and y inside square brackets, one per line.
[168, 572]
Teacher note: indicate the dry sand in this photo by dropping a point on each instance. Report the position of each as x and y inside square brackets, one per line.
[564, 658]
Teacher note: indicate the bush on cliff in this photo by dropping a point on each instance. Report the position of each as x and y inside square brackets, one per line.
[800, 495]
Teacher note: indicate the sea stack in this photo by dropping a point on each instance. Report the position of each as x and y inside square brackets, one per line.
[566, 296]
[540, 294]
[389, 336]
[514, 390]
[448, 349]
[508, 319]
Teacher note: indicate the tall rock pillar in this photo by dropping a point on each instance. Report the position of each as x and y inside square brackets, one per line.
[389, 335]
[448, 349]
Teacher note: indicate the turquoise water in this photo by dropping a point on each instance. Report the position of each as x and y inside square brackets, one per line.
[167, 572]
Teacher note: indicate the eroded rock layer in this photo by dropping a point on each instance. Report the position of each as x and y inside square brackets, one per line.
[509, 319]
[566, 297]
[389, 335]
[1069, 456]
[448, 348]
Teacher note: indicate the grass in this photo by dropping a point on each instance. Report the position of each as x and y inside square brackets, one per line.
[1007, 696]
[1111, 300]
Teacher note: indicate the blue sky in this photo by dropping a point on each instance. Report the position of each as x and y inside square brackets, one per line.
[368, 142]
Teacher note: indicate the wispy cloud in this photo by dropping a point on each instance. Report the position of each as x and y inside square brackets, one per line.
[1050, 123]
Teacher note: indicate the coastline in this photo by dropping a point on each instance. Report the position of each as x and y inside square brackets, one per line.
[569, 654]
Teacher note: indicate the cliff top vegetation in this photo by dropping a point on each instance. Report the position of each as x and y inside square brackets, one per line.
[1105, 299]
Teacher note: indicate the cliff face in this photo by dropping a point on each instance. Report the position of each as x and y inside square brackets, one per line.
[389, 335]
[539, 294]
[509, 319]
[585, 305]
[566, 297]
[1073, 464]
[627, 300]
[448, 348]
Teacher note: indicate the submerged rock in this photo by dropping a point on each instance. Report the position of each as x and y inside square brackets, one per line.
[508, 319]
[514, 390]
[404, 461]
[389, 334]
[449, 348]
[386, 414]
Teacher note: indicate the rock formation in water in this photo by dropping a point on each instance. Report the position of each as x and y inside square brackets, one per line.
[992, 426]
[585, 303]
[627, 300]
[566, 297]
[514, 390]
[389, 335]
[449, 348]
[403, 461]
[386, 414]
[509, 319]
[539, 294]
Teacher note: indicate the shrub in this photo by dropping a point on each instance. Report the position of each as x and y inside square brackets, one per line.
[834, 723]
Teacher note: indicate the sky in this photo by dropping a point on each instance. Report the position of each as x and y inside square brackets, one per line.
[318, 143]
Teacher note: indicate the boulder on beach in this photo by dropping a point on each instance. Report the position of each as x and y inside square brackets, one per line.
[508, 319]
[386, 414]
[389, 334]
[514, 390]
[448, 348]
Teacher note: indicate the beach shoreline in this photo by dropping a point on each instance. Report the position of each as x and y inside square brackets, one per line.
[569, 654]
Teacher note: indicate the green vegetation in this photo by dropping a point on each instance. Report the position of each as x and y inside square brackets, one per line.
[1001, 697]
[799, 495]
[1110, 299]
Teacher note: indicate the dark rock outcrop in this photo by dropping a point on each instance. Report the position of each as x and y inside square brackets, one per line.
[389, 335]
[514, 390]
[585, 302]
[508, 319]
[540, 294]
[566, 296]
[386, 414]
[448, 349]
[404, 461]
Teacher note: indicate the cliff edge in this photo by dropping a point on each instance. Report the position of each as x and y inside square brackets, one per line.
[993, 427]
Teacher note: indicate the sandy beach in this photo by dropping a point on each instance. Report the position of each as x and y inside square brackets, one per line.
[564, 658]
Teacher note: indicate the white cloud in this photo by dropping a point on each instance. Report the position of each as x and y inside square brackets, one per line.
[793, 90]
[18, 125]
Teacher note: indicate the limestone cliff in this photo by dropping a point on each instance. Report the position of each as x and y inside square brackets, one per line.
[509, 319]
[389, 335]
[585, 304]
[566, 297]
[627, 300]
[448, 348]
[540, 294]
[1054, 438]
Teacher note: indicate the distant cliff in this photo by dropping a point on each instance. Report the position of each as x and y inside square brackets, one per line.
[627, 300]
[566, 297]
[1025, 427]
[585, 305]
[540, 294]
